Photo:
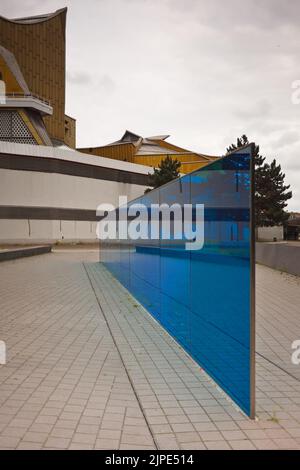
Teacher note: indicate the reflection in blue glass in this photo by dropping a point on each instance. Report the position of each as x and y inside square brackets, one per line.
[202, 298]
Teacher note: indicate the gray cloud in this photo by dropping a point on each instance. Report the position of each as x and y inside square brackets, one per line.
[79, 78]
[287, 139]
[94, 83]
[204, 72]
[107, 83]
[262, 109]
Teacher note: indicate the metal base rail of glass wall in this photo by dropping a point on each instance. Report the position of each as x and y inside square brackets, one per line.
[204, 298]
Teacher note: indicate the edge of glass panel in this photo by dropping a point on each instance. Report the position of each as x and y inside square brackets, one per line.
[252, 286]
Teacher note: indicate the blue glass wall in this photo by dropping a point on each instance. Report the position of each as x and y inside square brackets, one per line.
[203, 298]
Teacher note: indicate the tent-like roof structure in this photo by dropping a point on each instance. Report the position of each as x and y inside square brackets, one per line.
[36, 18]
[149, 151]
[154, 145]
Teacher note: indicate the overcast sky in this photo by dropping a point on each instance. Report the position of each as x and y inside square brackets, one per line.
[203, 71]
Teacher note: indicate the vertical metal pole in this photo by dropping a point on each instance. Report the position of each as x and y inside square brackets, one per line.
[252, 282]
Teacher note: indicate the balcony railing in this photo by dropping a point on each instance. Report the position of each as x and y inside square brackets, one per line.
[28, 96]
[27, 100]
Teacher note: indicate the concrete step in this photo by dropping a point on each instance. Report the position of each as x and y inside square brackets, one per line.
[7, 254]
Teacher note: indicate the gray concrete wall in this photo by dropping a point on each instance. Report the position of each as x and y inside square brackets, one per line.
[50, 195]
[29, 190]
[267, 234]
[281, 256]
[30, 231]
[37, 189]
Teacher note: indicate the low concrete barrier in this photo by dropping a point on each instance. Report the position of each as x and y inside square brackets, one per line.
[282, 256]
[15, 253]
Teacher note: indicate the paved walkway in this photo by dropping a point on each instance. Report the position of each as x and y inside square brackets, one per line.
[88, 368]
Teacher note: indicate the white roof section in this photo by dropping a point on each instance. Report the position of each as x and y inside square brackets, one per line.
[148, 149]
[71, 156]
[158, 137]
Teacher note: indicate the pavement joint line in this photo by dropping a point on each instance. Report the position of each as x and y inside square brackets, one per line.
[278, 367]
[121, 358]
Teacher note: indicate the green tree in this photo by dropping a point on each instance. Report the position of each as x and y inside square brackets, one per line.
[167, 170]
[271, 193]
[274, 197]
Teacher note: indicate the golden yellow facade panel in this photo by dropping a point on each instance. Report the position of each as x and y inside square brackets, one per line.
[11, 84]
[167, 145]
[189, 162]
[123, 152]
[70, 131]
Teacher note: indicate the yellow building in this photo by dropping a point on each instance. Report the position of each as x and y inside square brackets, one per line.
[21, 112]
[149, 151]
[38, 46]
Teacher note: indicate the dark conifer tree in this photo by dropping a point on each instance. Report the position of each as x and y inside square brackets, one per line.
[167, 170]
[271, 193]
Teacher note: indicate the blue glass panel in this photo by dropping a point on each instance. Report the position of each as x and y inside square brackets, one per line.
[203, 298]
[145, 265]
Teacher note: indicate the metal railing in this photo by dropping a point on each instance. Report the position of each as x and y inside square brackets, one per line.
[28, 96]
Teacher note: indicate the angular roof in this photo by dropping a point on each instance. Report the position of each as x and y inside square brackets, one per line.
[36, 18]
[154, 145]
[158, 137]
[149, 147]
[128, 138]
